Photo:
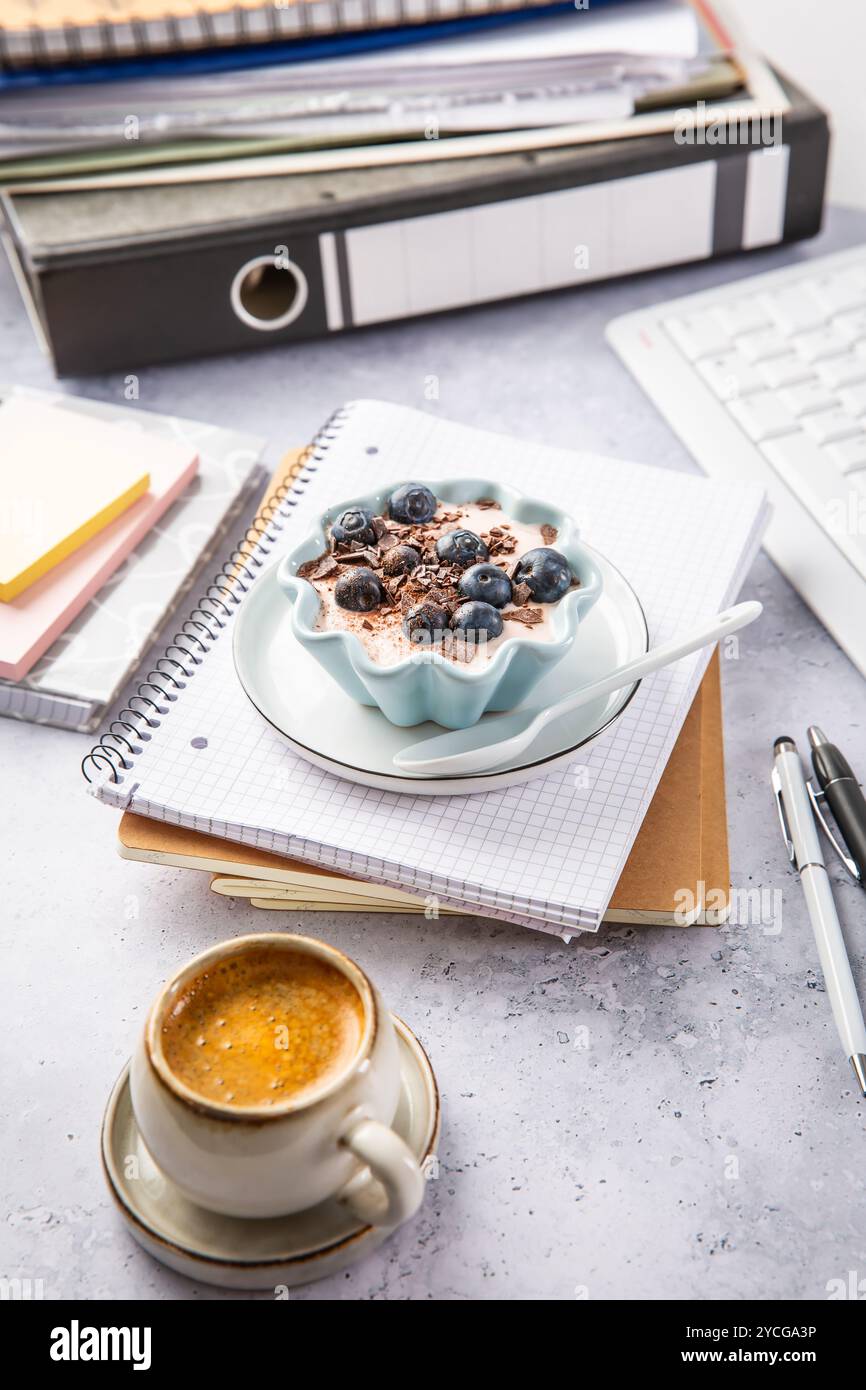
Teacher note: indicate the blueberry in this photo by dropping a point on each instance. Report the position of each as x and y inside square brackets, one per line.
[486, 582]
[461, 548]
[473, 619]
[359, 590]
[546, 573]
[354, 525]
[412, 504]
[424, 621]
[400, 559]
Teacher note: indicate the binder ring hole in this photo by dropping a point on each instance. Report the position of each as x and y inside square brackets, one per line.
[268, 293]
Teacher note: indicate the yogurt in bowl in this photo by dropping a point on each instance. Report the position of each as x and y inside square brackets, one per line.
[440, 600]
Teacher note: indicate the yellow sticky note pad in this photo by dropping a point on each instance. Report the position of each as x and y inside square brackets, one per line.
[63, 479]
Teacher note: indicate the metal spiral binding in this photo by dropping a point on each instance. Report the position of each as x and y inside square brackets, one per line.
[297, 21]
[184, 654]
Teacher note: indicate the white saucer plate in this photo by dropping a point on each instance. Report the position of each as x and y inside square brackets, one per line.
[255, 1254]
[302, 703]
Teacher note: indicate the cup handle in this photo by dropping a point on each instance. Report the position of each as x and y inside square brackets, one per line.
[390, 1186]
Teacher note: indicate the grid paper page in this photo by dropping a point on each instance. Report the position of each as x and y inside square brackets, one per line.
[547, 852]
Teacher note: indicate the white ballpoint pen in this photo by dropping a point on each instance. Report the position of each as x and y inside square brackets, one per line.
[800, 833]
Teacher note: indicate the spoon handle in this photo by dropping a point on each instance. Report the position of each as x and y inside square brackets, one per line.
[724, 623]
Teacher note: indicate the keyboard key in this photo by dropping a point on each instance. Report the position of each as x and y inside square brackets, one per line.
[853, 399]
[766, 342]
[849, 455]
[762, 415]
[836, 500]
[840, 291]
[808, 396]
[827, 425]
[852, 323]
[841, 371]
[741, 316]
[729, 375]
[821, 343]
[698, 335]
[815, 473]
[784, 371]
[794, 310]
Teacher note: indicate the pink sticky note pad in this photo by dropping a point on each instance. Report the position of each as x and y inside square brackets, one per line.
[33, 620]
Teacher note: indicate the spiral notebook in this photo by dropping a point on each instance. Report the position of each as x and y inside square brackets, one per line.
[40, 31]
[546, 853]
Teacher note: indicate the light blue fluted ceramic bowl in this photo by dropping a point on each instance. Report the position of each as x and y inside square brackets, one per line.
[428, 685]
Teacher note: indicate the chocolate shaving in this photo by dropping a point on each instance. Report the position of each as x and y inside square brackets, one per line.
[360, 557]
[499, 543]
[319, 568]
[528, 616]
[433, 580]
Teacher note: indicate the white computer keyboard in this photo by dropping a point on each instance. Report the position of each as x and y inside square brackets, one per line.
[765, 379]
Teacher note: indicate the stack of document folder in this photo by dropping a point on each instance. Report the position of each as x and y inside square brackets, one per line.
[502, 68]
[507, 69]
[354, 136]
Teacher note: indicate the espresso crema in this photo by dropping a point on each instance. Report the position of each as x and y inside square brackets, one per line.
[263, 1027]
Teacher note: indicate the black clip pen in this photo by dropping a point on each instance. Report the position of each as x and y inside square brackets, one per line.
[841, 791]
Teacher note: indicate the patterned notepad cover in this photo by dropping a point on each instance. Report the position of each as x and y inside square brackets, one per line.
[547, 852]
[82, 672]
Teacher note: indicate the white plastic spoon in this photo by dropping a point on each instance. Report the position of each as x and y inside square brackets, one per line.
[458, 752]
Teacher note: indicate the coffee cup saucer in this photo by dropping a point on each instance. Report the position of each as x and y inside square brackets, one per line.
[240, 1253]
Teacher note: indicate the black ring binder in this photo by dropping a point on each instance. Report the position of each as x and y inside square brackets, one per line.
[239, 573]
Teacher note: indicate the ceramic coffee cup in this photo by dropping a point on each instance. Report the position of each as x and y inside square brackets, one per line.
[271, 1160]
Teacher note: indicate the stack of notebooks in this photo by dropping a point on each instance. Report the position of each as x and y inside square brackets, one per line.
[154, 156]
[676, 875]
[335, 72]
[105, 515]
[215, 787]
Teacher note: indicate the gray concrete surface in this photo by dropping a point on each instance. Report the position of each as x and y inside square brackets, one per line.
[707, 1142]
